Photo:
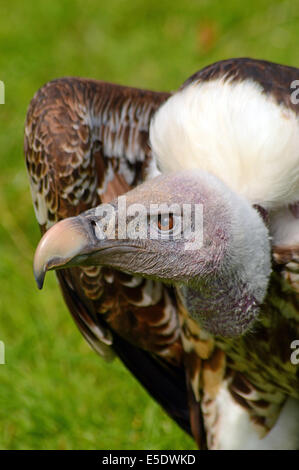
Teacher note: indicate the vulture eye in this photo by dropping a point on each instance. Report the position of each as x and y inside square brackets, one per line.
[165, 222]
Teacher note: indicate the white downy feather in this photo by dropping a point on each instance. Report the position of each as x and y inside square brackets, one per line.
[234, 131]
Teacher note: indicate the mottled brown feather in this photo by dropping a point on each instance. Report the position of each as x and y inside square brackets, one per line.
[73, 155]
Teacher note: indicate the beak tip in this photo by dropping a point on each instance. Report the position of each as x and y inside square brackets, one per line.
[39, 279]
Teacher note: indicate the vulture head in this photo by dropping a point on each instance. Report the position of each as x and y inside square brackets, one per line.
[185, 228]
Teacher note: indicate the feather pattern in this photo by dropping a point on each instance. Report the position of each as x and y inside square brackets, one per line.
[87, 142]
[94, 135]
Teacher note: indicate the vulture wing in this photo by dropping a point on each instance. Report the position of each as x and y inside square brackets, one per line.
[86, 142]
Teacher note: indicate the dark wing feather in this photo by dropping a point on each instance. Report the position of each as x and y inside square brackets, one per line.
[86, 142]
[170, 380]
[275, 79]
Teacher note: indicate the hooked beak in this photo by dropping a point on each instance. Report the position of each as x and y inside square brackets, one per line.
[59, 245]
[79, 241]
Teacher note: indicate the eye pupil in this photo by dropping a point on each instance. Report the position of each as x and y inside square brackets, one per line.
[165, 222]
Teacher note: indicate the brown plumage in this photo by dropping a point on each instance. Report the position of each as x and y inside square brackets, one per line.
[86, 142]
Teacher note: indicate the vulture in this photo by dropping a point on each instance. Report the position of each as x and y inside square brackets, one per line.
[197, 293]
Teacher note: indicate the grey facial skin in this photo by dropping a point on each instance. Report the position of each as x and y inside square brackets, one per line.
[222, 283]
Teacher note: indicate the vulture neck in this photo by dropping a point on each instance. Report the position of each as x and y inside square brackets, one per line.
[225, 296]
[223, 305]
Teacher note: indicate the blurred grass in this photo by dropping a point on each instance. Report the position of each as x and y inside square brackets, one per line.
[55, 393]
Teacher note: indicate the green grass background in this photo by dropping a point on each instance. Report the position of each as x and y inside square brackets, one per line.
[55, 393]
